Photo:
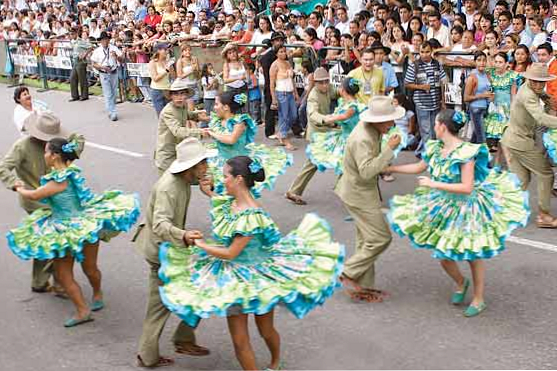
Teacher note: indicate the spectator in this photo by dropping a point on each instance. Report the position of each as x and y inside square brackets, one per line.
[81, 49]
[160, 70]
[390, 81]
[369, 77]
[437, 30]
[477, 94]
[188, 70]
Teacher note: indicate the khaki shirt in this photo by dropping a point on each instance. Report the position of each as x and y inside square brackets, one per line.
[172, 130]
[318, 106]
[165, 217]
[363, 161]
[526, 114]
[25, 162]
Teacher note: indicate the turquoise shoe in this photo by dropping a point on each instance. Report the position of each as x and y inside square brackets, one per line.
[72, 322]
[473, 311]
[458, 296]
[97, 305]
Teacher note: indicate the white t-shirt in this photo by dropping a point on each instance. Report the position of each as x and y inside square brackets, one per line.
[205, 82]
[443, 35]
[21, 114]
[343, 27]
[457, 72]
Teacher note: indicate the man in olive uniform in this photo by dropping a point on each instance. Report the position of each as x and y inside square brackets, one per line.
[358, 189]
[25, 164]
[165, 220]
[175, 124]
[318, 107]
[525, 158]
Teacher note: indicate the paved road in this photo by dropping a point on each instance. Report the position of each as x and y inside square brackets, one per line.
[417, 328]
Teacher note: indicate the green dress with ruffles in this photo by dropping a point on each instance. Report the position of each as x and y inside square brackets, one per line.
[299, 270]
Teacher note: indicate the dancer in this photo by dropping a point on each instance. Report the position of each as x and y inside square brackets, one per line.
[318, 107]
[504, 86]
[25, 164]
[464, 212]
[326, 149]
[176, 123]
[165, 220]
[234, 134]
[525, 157]
[358, 189]
[70, 229]
[252, 269]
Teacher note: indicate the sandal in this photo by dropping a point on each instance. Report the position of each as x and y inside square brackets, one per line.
[162, 362]
[381, 293]
[545, 223]
[72, 322]
[191, 349]
[367, 296]
[295, 198]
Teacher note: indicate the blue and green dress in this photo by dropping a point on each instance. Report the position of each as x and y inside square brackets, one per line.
[499, 112]
[457, 226]
[550, 143]
[326, 149]
[273, 160]
[299, 270]
[75, 217]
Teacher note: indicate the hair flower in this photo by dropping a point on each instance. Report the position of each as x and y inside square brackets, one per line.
[352, 82]
[255, 166]
[460, 117]
[70, 147]
[240, 98]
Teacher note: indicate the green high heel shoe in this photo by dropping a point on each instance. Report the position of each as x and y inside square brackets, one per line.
[473, 311]
[459, 296]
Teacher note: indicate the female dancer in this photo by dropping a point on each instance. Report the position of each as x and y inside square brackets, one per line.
[252, 269]
[72, 226]
[464, 212]
[504, 84]
[234, 134]
[326, 150]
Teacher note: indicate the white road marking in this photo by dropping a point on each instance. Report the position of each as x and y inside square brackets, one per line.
[518, 240]
[115, 150]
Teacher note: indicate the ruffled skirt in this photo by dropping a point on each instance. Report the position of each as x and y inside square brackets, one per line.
[42, 236]
[462, 227]
[301, 271]
[550, 144]
[326, 150]
[275, 161]
[496, 121]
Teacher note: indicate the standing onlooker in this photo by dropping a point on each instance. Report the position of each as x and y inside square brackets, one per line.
[369, 77]
[187, 69]
[81, 48]
[105, 59]
[254, 95]
[233, 70]
[477, 94]
[210, 85]
[159, 69]
[425, 77]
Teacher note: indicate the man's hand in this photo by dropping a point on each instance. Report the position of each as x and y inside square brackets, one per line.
[202, 116]
[206, 185]
[394, 142]
[18, 184]
[190, 236]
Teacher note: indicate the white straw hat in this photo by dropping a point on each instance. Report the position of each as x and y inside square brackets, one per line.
[44, 126]
[189, 153]
[538, 72]
[381, 109]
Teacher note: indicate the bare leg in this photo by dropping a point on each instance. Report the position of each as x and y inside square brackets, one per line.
[478, 275]
[64, 275]
[268, 332]
[453, 271]
[91, 270]
[238, 327]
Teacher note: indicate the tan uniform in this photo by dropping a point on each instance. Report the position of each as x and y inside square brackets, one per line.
[164, 220]
[358, 190]
[318, 107]
[25, 162]
[525, 157]
[171, 131]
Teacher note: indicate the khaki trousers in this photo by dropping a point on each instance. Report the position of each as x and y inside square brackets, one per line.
[526, 163]
[373, 236]
[42, 270]
[155, 319]
[302, 180]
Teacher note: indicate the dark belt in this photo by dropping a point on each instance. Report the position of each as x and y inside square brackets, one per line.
[108, 73]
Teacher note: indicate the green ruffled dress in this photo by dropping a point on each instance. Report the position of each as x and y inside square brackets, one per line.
[455, 226]
[76, 217]
[395, 131]
[499, 112]
[273, 160]
[299, 270]
[326, 149]
[550, 144]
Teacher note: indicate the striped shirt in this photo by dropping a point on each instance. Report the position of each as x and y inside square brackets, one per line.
[428, 73]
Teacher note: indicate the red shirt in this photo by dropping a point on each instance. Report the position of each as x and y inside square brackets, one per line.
[152, 20]
[551, 86]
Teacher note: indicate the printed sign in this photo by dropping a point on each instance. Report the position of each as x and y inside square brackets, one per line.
[138, 69]
[336, 79]
[63, 63]
[24, 60]
[299, 80]
[453, 94]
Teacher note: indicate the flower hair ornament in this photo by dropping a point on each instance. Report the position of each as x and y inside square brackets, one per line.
[460, 117]
[70, 147]
[255, 166]
[241, 98]
[353, 83]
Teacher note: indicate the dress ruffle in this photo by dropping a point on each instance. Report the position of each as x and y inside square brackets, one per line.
[300, 270]
[499, 111]
[55, 233]
[227, 127]
[403, 139]
[461, 227]
[549, 140]
[326, 149]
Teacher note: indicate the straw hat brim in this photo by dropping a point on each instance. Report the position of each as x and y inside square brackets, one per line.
[34, 132]
[178, 166]
[368, 116]
[530, 76]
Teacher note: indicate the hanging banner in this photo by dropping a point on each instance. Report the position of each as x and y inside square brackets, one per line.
[336, 79]
[138, 69]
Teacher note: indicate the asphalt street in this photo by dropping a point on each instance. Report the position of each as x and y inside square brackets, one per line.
[417, 328]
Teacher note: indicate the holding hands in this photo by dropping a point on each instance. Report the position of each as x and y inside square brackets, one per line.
[190, 237]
